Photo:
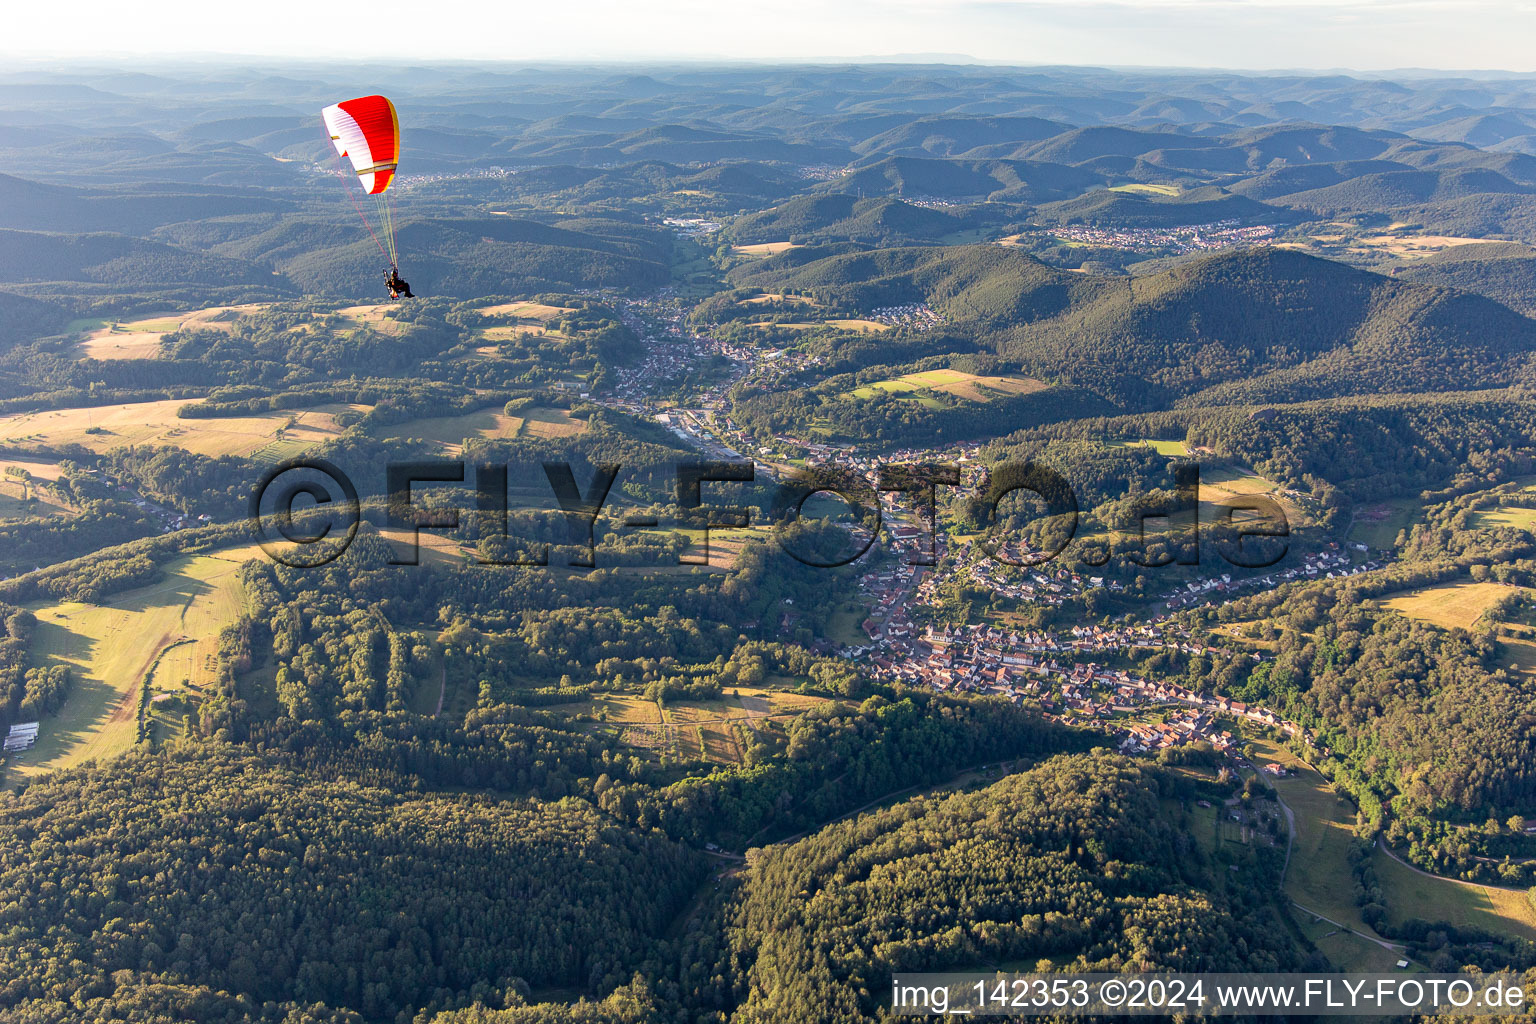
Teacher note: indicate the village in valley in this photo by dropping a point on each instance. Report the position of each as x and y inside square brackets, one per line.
[1067, 672]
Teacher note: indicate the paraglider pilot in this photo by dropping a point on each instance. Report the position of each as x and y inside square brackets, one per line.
[397, 287]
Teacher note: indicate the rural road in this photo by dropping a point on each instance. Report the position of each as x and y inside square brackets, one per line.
[1290, 839]
[1445, 878]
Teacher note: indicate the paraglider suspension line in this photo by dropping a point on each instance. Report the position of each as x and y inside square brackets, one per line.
[345, 187]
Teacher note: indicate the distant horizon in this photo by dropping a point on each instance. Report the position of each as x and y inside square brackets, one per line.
[145, 65]
[1256, 36]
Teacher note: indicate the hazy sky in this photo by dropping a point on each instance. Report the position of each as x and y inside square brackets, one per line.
[1365, 34]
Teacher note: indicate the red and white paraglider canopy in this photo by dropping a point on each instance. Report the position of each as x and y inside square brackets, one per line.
[367, 132]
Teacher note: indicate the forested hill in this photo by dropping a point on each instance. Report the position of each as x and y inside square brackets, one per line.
[242, 888]
[1503, 271]
[1259, 325]
[1074, 861]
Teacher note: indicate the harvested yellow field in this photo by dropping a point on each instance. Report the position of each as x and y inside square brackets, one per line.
[710, 729]
[36, 470]
[862, 326]
[775, 297]
[543, 422]
[433, 547]
[109, 649]
[450, 432]
[984, 389]
[1414, 246]
[101, 428]
[1147, 190]
[20, 495]
[525, 311]
[140, 339]
[511, 332]
[489, 423]
[761, 249]
[378, 316]
[953, 382]
[1451, 605]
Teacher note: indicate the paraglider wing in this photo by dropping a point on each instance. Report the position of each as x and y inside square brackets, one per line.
[367, 132]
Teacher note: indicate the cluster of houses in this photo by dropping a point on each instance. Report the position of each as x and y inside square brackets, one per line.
[918, 315]
[1330, 563]
[692, 227]
[1046, 584]
[1222, 234]
[169, 518]
[1045, 667]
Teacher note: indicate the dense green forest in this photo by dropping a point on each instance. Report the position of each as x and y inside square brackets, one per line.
[554, 764]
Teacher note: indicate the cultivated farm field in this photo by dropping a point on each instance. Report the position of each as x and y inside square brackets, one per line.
[101, 428]
[140, 339]
[954, 382]
[1450, 605]
[450, 432]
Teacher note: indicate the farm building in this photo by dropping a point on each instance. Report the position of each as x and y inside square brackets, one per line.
[21, 736]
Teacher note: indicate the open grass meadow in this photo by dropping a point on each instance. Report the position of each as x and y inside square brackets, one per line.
[1411, 894]
[1147, 189]
[761, 249]
[952, 382]
[450, 432]
[843, 324]
[140, 338]
[1318, 878]
[169, 629]
[101, 428]
[20, 495]
[715, 730]
[515, 311]
[1450, 605]
[1171, 449]
[776, 298]
[1222, 486]
[1513, 516]
[1378, 525]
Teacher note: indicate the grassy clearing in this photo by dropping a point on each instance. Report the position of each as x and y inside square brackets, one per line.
[1399, 241]
[450, 432]
[714, 729]
[1514, 516]
[1347, 948]
[1451, 605]
[101, 428]
[433, 547]
[1319, 877]
[1410, 894]
[525, 311]
[379, 316]
[1222, 486]
[109, 648]
[140, 339]
[777, 297]
[1144, 189]
[1168, 448]
[952, 382]
[762, 249]
[21, 498]
[512, 332]
[1378, 525]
